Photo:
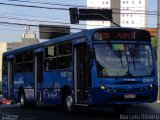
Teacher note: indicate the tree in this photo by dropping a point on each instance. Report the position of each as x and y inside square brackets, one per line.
[154, 42]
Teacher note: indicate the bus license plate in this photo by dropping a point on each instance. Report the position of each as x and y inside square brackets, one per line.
[129, 96]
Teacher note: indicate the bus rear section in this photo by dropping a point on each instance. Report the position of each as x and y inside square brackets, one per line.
[124, 69]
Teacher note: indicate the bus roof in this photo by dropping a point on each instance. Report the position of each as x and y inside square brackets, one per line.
[83, 33]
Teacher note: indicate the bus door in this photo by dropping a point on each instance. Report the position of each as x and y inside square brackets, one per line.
[10, 78]
[38, 76]
[82, 73]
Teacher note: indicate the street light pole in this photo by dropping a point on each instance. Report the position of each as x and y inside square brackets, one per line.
[158, 49]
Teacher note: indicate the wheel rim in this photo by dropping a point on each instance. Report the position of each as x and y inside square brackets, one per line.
[22, 100]
[69, 102]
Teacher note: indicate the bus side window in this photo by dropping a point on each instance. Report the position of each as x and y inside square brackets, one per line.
[50, 58]
[28, 62]
[4, 67]
[64, 55]
[18, 63]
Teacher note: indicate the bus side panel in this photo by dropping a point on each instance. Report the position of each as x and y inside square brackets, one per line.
[26, 81]
[53, 83]
[50, 87]
[29, 86]
[18, 82]
[4, 86]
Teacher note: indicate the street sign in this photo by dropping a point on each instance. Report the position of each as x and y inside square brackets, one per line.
[89, 14]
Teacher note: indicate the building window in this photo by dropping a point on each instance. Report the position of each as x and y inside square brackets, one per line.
[127, 22]
[140, 2]
[106, 2]
[132, 22]
[126, 2]
[132, 2]
[123, 2]
[103, 2]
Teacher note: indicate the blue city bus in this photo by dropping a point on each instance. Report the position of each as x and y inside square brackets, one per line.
[98, 67]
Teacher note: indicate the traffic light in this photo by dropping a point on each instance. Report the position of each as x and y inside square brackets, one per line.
[74, 16]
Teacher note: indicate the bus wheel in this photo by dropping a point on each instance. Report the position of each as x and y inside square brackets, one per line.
[69, 104]
[22, 100]
[119, 109]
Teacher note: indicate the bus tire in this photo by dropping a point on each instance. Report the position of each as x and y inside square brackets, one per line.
[120, 109]
[69, 103]
[22, 99]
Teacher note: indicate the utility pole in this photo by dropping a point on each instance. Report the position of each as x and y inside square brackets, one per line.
[158, 49]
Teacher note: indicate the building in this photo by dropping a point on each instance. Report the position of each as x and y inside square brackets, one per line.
[126, 13]
[133, 13]
[3, 48]
[28, 38]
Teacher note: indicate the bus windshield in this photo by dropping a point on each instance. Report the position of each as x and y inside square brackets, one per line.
[124, 60]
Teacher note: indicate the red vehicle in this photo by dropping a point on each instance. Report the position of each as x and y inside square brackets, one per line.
[4, 101]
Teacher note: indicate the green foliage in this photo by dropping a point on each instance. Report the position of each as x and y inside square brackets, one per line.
[154, 42]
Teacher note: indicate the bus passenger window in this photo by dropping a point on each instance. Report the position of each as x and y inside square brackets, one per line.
[64, 62]
[50, 64]
[28, 62]
[50, 58]
[50, 51]
[4, 67]
[18, 68]
[65, 49]
[28, 67]
[19, 58]
[28, 56]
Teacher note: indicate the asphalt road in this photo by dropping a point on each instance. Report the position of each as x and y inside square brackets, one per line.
[143, 111]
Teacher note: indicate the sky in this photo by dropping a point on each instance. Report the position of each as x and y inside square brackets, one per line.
[34, 16]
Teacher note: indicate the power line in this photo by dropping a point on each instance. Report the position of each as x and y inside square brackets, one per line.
[10, 30]
[33, 6]
[47, 3]
[32, 16]
[44, 21]
[59, 4]
[69, 5]
[33, 25]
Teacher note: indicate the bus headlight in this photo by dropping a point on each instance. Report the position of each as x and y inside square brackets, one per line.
[151, 85]
[103, 87]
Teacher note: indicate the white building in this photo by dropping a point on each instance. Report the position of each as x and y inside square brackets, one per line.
[132, 13]
[98, 4]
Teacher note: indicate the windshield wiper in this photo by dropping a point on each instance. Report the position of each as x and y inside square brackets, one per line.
[120, 57]
[128, 72]
[133, 59]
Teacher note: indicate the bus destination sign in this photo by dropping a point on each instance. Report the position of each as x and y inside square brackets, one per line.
[122, 35]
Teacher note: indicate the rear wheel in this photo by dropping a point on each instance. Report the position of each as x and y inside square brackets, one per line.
[22, 99]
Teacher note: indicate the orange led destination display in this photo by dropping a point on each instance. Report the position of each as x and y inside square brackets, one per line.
[122, 35]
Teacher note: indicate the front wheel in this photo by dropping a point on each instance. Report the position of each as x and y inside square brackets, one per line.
[69, 104]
